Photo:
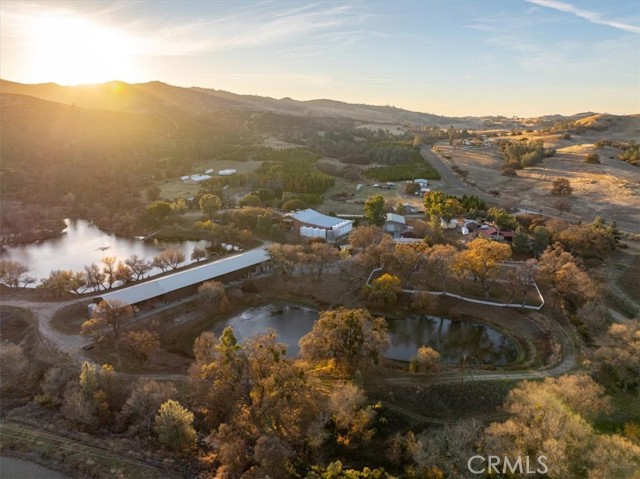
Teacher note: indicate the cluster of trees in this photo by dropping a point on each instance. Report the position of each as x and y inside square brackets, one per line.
[560, 266]
[106, 275]
[110, 324]
[260, 413]
[555, 418]
[479, 262]
[265, 414]
[82, 173]
[312, 258]
[520, 154]
[294, 172]
[362, 146]
[561, 272]
[630, 151]
[441, 205]
[14, 274]
[631, 154]
[408, 166]
[24, 223]
[223, 233]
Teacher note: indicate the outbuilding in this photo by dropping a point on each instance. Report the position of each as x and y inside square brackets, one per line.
[184, 283]
[395, 224]
[313, 224]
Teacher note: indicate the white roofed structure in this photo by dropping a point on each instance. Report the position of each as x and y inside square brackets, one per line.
[317, 225]
[181, 279]
[315, 218]
[394, 218]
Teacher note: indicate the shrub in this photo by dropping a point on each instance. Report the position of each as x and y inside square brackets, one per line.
[593, 158]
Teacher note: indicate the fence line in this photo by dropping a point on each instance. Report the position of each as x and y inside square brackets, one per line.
[469, 300]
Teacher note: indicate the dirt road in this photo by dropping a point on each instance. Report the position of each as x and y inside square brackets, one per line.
[69, 346]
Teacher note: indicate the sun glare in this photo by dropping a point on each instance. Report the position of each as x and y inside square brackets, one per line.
[70, 50]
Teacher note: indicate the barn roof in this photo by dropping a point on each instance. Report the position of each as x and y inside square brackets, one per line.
[181, 279]
[394, 218]
[314, 218]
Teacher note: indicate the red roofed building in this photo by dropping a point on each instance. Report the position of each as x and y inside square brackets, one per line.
[495, 234]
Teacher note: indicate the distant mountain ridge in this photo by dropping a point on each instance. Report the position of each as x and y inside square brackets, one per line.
[157, 96]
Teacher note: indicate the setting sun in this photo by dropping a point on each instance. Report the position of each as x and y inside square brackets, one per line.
[71, 50]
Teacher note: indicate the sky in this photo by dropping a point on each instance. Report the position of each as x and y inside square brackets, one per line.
[449, 57]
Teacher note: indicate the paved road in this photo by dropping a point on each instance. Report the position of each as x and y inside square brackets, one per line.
[450, 178]
[446, 173]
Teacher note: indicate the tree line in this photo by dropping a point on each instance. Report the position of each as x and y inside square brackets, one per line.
[97, 277]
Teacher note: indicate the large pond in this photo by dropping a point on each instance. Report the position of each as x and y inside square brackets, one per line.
[82, 243]
[452, 340]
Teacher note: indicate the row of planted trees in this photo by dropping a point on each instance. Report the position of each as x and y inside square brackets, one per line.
[97, 277]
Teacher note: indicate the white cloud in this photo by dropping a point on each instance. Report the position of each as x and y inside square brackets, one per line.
[593, 17]
[252, 25]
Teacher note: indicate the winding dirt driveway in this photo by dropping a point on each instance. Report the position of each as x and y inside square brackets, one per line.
[69, 347]
[42, 314]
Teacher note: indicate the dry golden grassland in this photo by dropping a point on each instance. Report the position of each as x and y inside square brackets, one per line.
[610, 189]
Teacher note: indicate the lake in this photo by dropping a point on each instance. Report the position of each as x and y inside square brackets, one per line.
[452, 340]
[82, 243]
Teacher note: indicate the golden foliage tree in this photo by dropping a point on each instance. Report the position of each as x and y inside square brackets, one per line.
[482, 258]
[351, 337]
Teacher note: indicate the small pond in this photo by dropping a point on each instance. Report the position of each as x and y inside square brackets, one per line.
[82, 243]
[451, 339]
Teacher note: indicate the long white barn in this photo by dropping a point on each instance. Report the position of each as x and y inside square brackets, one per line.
[192, 276]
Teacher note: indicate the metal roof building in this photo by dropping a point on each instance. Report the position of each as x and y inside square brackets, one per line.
[160, 286]
[314, 218]
[321, 226]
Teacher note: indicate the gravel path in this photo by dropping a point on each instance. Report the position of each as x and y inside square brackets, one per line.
[42, 314]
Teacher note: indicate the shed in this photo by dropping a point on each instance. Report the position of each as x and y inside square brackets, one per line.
[395, 223]
[314, 224]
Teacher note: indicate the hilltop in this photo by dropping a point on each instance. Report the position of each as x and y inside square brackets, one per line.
[158, 96]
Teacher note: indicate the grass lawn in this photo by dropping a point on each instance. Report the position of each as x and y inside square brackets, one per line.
[343, 197]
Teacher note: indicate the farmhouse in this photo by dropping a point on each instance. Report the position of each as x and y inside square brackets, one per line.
[495, 234]
[410, 209]
[184, 283]
[424, 186]
[313, 224]
[395, 224]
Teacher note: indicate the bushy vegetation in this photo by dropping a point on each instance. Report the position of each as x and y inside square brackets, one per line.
[294, 172]
[412, 166]
[630, 151]
[97, 162]
[441, 205]
[520, 154]
[631, 154]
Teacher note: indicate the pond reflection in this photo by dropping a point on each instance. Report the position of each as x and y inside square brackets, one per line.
[452, 340]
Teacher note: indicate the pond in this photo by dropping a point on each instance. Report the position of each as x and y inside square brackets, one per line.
[82, 243]
[452, 340]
